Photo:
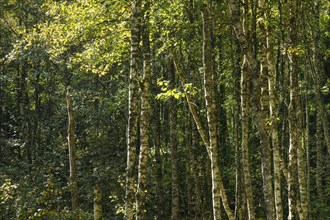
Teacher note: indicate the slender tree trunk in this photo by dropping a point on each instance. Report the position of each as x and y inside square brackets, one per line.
[174, 148]
[198, 203]
[209, 92]
[141, 208]
[293, 119]
[274, 116]
[98, 213]
[37, 116]
[240, 201]
[24, 111]
[72, 157]
[319, 165]
[295, 115]
[277, 173]
[211, 111]
[158, 159]
[316, 64]
[263, 117]
[292, 163]
[132, 113]
[248, 66]
[245, 91]
[308, 158]
[174, 162]
[206, 142]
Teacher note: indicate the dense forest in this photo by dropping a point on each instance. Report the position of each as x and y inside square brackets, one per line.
[165, 109]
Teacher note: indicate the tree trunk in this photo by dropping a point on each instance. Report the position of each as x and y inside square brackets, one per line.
[319, 165]
[132, 113]
[263, 118]
[295, 115]
[141, 208]
[174, 147]
[156, 123]
[195, 155]
[206, 141]
[97, 202]
[274, 116]
[248, 66]
[24, 111]
[209, 92]
[72, 157]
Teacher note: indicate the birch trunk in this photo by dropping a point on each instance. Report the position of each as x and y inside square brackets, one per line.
[295, 113]
[132, 113]
[217, 185]
[264, 113]
[141, 208]
[248, 66]
[206, 142]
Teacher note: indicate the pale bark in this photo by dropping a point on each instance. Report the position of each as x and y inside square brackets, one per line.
[204, 136]
[193, 110]
[141, 208]
[240, 201]
[248, 67]
[263, 118]
[72, 157]
[273, 108]
[295, 114]
[292, 163]
[217, 184]
[211, 112]
[132, 114]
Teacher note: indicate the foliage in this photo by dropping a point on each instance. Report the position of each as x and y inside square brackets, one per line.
[47, 45]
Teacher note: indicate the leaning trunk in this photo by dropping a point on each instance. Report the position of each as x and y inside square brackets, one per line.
[217, 184]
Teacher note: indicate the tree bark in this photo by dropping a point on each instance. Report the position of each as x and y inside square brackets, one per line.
[72, 157]
[174, 148]
[132, 113]
[98, 213]
[217, 184]
[263, 118]
[141, 208]
[319, 165]
[156, 123]
[248, 66]
[295, 116]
